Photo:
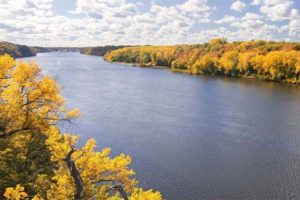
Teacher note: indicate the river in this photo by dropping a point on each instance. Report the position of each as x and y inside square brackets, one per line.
[190, 137]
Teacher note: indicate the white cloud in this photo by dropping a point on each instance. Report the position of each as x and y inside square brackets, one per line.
[251, 16]
[256, 2]
[105, 8]
[197, 8]
[274, 2]
[293, 27]
[249, 22]
[275, 10]
[104, 22]
[226, 19]
[294, 14]
[14, 8]
[238, 6]
[166, 14]
[281, 10]
[249, 26]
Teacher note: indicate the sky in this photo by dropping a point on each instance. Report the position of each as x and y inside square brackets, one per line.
[77, 23]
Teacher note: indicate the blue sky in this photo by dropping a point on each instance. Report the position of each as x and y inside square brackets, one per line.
[114, 22]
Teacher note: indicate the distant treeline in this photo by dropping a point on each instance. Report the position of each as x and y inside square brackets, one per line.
[276, 61]
[15, 50]
[19, 51]
[100, 51]
[57, 49]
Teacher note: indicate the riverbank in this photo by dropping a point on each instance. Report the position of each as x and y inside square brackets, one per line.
[100, 51]
[139, 65]
[253, 78]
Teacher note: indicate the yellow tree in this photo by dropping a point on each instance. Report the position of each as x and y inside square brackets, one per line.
[206, 64]
[85, 174]
[273, 63]
[28, 101]
[257, 62]
[229, 61]
[31, 103]
[244, 64]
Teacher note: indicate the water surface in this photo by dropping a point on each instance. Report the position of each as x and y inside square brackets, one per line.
[190, 137]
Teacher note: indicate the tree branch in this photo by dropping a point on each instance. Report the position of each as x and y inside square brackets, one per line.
[75, 174]
[13, 132]
[121, 190]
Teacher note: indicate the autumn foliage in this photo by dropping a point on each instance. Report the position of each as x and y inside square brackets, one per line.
[37, 160]
[275, 61]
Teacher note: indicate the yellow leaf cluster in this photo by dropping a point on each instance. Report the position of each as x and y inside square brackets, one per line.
[16, 193]
[139, 194]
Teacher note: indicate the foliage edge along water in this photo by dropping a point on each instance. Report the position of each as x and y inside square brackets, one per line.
[271, 61]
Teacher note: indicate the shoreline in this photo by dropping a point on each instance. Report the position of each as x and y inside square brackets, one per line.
[139, 65]
[251, 78]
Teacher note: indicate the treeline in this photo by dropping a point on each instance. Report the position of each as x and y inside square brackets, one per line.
[275, 61]
[56, 49]
[15, 50]
[38, 161]
[20, 51]
[99, 51]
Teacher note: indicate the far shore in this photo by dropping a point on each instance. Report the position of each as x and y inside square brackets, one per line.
[139, 65]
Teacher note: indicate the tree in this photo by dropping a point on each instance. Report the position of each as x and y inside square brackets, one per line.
[217, 41]
[206, 65]
[244, 63]
[229, 62]
[35, 153]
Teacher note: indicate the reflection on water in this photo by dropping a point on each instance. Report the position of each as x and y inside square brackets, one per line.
[191, 137]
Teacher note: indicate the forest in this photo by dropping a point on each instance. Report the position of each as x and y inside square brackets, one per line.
[272, 61]
[40, 162]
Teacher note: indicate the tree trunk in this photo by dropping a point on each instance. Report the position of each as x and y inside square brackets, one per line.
[76, 176]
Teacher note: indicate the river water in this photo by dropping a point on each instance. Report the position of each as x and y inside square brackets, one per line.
[190, 137]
